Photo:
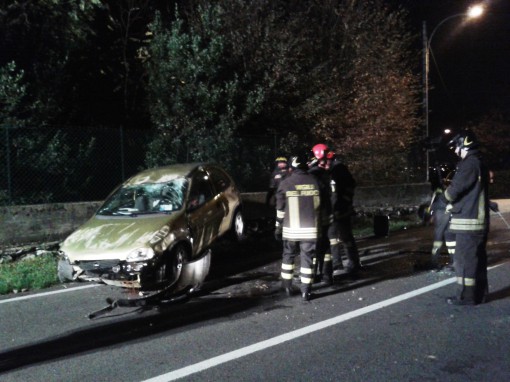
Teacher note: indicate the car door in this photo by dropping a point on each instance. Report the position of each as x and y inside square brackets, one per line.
[205, 212]
[225, 195]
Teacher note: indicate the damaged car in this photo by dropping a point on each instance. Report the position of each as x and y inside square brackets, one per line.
[155, 231]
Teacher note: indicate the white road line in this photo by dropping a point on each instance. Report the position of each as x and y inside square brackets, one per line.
[215, 361]
[28, 297]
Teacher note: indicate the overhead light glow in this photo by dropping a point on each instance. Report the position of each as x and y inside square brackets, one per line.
[475, 11]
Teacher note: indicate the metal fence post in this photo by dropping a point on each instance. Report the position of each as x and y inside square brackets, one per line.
[8, 164]
[122, 169]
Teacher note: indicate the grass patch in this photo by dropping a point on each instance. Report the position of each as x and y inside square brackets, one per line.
[36, 273]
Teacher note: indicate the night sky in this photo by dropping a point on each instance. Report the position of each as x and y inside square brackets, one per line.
[469, 70]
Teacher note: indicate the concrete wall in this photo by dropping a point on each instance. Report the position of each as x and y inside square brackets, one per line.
[42, 222]
[53, 222]
[392, 196]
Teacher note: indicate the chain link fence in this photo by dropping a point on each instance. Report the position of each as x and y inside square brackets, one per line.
[72, 164]
[66, 164]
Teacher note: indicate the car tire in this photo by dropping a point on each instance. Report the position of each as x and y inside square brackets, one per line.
[238, 228]
[170, 269]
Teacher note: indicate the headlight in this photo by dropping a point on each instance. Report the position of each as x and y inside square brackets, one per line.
[140, 254]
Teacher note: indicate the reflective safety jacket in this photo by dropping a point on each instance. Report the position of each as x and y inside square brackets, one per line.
[298, 203]
[468, 195]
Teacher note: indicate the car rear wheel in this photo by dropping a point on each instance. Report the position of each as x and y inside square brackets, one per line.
[238, 229]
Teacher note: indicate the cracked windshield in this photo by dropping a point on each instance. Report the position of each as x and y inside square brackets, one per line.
[146, 198]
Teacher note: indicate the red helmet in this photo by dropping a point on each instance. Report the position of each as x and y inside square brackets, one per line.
[320, 151]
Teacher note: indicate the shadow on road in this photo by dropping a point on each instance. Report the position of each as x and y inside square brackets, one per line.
[499, 294]
[119, 331]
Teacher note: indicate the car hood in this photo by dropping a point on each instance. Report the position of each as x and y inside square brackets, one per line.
[103, 238]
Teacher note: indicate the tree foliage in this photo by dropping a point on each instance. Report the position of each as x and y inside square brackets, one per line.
[366, 105]
[12, 91]
[494, 128]
[197, 103]
[310, 71]
[48, 40]
[208, 79]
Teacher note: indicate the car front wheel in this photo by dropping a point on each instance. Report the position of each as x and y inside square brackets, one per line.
[170, 269]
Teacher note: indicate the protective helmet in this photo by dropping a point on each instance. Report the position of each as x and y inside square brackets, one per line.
[320, 151]
[281, 159]
[299, 160]
[466, 140]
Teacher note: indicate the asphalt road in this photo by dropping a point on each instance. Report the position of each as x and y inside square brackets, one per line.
[391, 324]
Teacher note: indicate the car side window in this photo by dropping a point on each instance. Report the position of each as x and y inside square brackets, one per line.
[220, 179]
[200, 191]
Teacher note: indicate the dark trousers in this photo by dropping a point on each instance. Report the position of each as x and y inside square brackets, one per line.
[323, 265]
[306, 250]
[471, 267]
[442, 235]
[342, 240]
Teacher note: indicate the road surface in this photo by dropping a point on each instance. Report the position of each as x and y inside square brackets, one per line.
[392, 324]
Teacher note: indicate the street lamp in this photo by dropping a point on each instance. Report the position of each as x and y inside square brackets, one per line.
[472, 13]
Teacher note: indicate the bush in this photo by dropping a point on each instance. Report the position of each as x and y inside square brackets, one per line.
[36, 273]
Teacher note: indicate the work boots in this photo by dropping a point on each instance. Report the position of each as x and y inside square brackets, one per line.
[470, 295]
[287, 287]
[306, 293]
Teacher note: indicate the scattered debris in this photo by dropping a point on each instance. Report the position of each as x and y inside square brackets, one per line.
[17, 253]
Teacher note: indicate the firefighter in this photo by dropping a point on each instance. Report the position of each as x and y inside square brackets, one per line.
[323, 262]
[440, 217]
[468, 200]
[280, 171]
[323, 269]
[342, 192]
[298, 203]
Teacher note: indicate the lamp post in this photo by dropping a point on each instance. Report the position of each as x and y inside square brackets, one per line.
[472, 13]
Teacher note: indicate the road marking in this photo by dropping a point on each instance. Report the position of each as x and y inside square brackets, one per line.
[230, 356]
[215, 361]
[14, 299]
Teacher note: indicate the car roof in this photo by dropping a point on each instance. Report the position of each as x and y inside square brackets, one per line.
[164, 173]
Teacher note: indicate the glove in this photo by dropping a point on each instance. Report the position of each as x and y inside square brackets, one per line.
[442, 199]
[278, 233]
[449, 207]
[493, 206]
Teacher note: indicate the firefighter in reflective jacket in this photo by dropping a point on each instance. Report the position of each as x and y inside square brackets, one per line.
[298, 203]
[323, 268]
[342, 190]
[468, 200]
[279, 173]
